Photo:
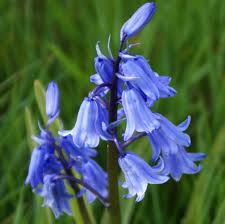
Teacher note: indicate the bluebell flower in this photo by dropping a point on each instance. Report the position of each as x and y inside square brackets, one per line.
[45, 137]
[148, 82]
[96, 79]
[138, 20]
[43, 161]
[89, 125]
[55, 196]
[84, 132]
[52, 102]
[170, 141]
[96, 177]
[139, 116]
[104, 67]
[138, 174]
[77, 156]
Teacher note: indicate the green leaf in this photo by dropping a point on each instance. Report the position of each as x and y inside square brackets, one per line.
[30, 130]
[40, 99]
[220, 215]
[207, 184]
[20, 209]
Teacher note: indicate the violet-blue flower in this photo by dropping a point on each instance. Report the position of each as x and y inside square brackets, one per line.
[138, 20]
[138, 174]
[147, 81]
[139, 116]
[52, 102]
[97, 178]
[89, 125]
[104, 68]
[170, 141]
[55, 196]
[42, 162]
[75, 153]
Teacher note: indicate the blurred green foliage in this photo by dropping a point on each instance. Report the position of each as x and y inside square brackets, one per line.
[50, 39]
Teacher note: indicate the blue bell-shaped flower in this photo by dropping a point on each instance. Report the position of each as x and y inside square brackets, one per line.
[138, 174]
[139, 116]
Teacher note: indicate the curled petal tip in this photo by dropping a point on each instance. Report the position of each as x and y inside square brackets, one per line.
[99, 53]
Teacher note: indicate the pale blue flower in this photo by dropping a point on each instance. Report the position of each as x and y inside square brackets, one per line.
[96, 177]
[147, 81]
[139, 116]
[138, 174]
[91, 124]
[55, 196]
[43, 161]
[170, 141]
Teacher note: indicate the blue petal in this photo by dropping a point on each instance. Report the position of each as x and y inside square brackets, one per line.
[96, 177]
[185, 124]
[196, 156]
[102, 123]
[134, 67]
[138, 174]
[74, 152]
[156, 148]
[174, 133]
[162, 85]
[96, 79]
[129, 115]
[84, 133]
[42, 161]
[109, 49]
[55, 196]
[35, 173]
[139, 117]
[151, 175]
[126, 78]
[164, 79]
[99, 53]
[104, 67]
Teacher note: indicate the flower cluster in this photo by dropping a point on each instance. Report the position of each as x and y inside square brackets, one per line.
[126, 90]
[54, 160]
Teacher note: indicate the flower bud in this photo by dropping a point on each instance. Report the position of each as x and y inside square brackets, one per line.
[104, 67]
[138, 20]
[52, 101]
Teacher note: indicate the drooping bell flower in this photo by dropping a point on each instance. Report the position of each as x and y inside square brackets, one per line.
[148, 82]
[139, 116]
[138, 174]
[55, 196]
[43, 161]
[170, 141]
[103, 67]
[89, 125]
[96, 177]
[77, 156]
[137, 21]
[52, 102]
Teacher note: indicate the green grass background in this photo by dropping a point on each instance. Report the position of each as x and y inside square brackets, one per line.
[53, 39]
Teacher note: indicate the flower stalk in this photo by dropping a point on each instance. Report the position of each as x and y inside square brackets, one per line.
[81, 204]
[112, 153]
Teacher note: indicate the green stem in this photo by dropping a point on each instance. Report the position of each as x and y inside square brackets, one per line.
[81, 204]
[112, 153]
